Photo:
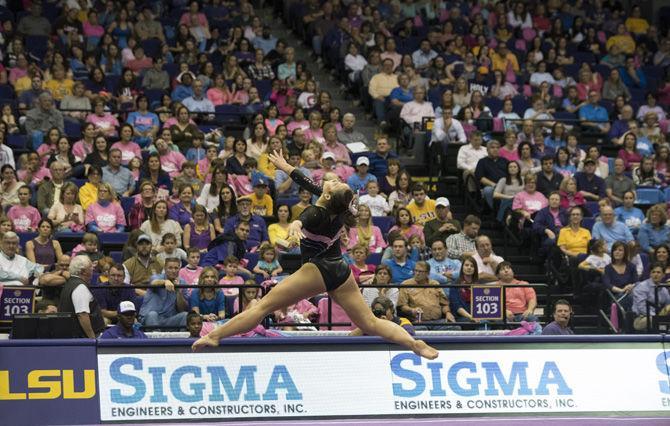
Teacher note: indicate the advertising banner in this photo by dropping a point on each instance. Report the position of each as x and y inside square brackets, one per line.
[47, 384]
[364, 383]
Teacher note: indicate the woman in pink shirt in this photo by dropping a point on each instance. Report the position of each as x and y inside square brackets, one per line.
[171, 161]
[298, 121]
[25, 217]
[32, 171]
[366, 233]
[50, 145]
[105, 215]
[628, 153]
[527, 202]
[219, 94]
[509, 151]
[84, 146]
[404, 224]
[363, 273]
[129, 149]
[104, 121]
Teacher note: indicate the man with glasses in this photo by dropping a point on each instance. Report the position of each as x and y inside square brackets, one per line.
[424, 305]
[49, 189]
[15, 269]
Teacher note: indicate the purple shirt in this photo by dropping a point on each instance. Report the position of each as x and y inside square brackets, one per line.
[553, 329]
[116, 332]
[179, 213]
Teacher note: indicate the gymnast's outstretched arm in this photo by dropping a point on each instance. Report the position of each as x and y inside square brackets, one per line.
[277, 158]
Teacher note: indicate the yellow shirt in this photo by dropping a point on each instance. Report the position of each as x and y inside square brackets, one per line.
[88, 194]
[625, 43]
[381, 84]
[59, 89]
[575, 242]
[424, 214]
[296, 210]
[500, 63]
[637, 25]
[22, 84]
[265, 166]
[276, 233]
[261, 206]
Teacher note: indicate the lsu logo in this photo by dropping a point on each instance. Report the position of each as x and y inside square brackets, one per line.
[49, 384]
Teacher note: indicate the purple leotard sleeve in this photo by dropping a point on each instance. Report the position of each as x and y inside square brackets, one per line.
[305, 182]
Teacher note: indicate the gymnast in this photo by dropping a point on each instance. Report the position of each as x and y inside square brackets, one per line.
[323, 269]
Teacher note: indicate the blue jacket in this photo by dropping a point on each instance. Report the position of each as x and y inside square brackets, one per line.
[545, 220]
[650, 237]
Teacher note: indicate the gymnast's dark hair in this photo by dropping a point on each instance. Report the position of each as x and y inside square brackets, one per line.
[340, 203]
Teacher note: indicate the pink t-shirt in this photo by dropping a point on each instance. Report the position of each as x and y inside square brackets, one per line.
[508, 155]
[25, 219]
[38, 176]
[107, 123]
[304, 124]
[129, 151]
[105, 217]
[190, 276]
[171, 163]
[226, 281]
[217, 96]
[340, 152]
[81, 149]
[44, 152]
[529, 202]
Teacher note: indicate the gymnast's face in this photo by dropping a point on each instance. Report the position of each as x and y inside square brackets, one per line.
[332, 186]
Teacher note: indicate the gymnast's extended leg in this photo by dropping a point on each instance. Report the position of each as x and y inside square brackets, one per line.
[349, 297]
[302, 284]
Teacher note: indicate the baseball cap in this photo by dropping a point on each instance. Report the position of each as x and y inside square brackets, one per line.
[328, 154]
[363, 160]
[126, 306]
[589, 160]
[143, 237]
[442, 201]
[244, 199]
[259, 181]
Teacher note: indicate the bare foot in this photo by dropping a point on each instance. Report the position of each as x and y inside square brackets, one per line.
[421, 348]
[204, 341]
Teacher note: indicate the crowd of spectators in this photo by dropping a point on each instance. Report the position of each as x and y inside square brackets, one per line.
[125, 119]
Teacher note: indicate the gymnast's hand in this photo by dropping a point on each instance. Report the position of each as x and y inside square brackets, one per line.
[295, 230]
[277, 158]
[204, 341]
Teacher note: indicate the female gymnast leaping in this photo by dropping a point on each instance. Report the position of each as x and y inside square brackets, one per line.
[323, 269]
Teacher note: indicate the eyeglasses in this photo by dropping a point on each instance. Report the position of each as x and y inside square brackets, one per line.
[420, 270]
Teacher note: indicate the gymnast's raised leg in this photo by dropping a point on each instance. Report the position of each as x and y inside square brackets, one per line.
[305, 283]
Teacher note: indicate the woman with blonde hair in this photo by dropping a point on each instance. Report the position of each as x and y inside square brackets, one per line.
[654, 232]
[65, 213]
[106, 214]
[365, 232]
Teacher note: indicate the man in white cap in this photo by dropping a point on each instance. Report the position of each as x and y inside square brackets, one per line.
[126, 320]
[358, 180]
[443, 225]
[328, 166]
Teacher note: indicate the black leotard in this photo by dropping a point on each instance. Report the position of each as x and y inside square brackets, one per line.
[321, 245]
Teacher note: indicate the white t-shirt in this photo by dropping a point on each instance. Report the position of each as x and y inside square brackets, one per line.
[597, 261]
[81, 299]
[377, 204]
